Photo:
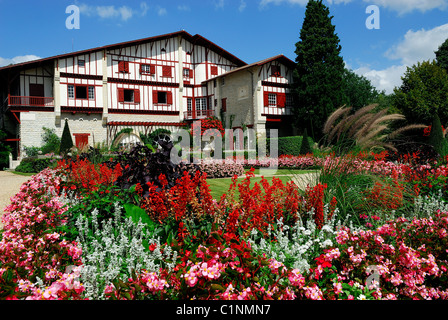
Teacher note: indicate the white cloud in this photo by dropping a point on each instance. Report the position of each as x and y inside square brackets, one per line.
[108, 12]
[183, 8]
[406, 6]
[144, 7]
[400, 6]
[386, 79]
[18, 59]
[219, 4]
[161, 11]
[418, 45]
[242, 6]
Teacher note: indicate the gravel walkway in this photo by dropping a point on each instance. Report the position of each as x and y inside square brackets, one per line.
[9, 185]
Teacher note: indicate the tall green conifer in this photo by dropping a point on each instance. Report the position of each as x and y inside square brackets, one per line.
[318, 77]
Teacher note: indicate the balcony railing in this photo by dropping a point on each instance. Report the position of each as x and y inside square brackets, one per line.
[31, 101]
[198, 114]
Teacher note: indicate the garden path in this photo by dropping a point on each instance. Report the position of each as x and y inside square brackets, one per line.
[302, 180]
[9, 185]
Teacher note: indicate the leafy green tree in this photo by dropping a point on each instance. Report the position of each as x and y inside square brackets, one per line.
[66, 139]
[424, 92]
[442, 55]
[318, 77]
[358, 90]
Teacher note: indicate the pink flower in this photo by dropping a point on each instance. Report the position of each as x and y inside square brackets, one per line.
[296, 279]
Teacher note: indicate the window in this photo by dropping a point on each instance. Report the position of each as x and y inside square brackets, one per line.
[201, 104]
[189, 104]
[123, 66]
[224, 104]
[81, 92]
[275, 71]
[223, 81]
[162, 97]
[272, 99]
[37, 90]
[147, 69]
[166, 71]
[129, 95]
[81, 63]
[186, 73]
[71, 91]
[91, 93]
[214, 70]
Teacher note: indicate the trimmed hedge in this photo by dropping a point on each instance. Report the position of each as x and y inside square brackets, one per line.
[34, 165]
[289, 145]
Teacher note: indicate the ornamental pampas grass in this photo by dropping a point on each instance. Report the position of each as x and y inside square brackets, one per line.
[365, 129]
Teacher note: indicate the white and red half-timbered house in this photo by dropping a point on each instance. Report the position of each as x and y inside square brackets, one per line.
[164, 81]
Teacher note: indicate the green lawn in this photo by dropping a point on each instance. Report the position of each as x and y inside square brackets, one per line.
[220, 186]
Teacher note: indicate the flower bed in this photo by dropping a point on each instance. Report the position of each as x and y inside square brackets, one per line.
[73, 233]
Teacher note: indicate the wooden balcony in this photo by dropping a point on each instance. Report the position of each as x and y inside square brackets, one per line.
[22, 101]
[198, 114]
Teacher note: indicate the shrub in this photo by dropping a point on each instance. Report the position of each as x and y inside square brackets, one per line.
[436, 138]
[4, 152]
[143, 166]
[66, 139]
[289, 145]
[33, 165]
[305, 145]
[51, 141]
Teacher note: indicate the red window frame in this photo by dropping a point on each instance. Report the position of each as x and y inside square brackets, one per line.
[155, 97]
[123, 66]
[224, 104]
[280, 99]
[152, 68]
[121, 95]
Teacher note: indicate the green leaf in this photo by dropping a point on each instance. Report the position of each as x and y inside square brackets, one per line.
[216, 286]
[137, 214]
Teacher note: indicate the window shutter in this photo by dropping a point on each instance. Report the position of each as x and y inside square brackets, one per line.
[191, 73]
[266, 99]
[137, 96]
[120, 95]
[224, 104]
[214, 70]
[169, 98]
[166, 71]
[152, 69]
[126, 66]
[281, 100]
[154, 97]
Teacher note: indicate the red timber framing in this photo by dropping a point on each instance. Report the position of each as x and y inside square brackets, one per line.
[147, 126]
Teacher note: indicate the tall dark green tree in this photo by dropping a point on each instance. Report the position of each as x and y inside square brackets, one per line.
[358, 90]
[66, 139]
[442, 55]
[318, 77]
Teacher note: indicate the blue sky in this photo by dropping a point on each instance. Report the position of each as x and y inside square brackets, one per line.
[409, 30]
